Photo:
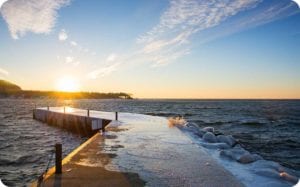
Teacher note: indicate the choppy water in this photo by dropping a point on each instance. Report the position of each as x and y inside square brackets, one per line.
[267, 127]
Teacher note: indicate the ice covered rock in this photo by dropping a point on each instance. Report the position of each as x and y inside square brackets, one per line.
[228, 154]
[209, 129]
[248, 158]
[226, 139]
[200, 133]
[194, 128]
[288, 177]
[216, 145]
[269, 164]
[268, 172]
[209, 137]
[261, 166]
[235, 153]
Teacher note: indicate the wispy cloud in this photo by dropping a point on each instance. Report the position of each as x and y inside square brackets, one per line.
[190, 16]
[104, 71]
[167, 41]
[184, 18]
[69, 59]
[73, 43]
[62, 35]
[265, 15]
[2, 2]
[4, 72]
[297, 2]
[111, 58]
[37, 16]
[75, 50]
[111, 64]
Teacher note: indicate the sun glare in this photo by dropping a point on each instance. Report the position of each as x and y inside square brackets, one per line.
[67, 84]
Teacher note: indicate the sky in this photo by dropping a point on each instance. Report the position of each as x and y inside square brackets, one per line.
[153, 48]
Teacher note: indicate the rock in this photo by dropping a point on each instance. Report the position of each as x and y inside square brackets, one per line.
[235, 154]
[192, 125]
[222, 145]
[215, 145]
[269, 164]
[248, 158]
[228, 154]
[232, 140]
[209, 129]
[239, 151]
[209, 137]
[268, 172]
[226, 139]
[200, 133]
[288, 177]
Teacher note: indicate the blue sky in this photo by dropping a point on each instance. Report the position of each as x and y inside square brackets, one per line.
[154, 49]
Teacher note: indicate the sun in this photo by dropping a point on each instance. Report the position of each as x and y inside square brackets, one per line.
[67, 84]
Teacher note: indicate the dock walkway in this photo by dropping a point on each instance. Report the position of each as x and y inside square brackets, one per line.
[143, 150]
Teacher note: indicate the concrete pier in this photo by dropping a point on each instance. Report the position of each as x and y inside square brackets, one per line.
[74, 120]
[139, 150]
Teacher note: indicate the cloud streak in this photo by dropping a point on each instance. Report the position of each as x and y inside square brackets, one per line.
[190, 16]
[104, 71]
[170, 39]
[62, 35]
[4, 72]
[73, 43]
[37, 16]
[2, 2]
[184, 18]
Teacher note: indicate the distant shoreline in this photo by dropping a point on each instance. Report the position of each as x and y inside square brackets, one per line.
[223, 99]
[91, 95]
[11, 90]
[33, 94]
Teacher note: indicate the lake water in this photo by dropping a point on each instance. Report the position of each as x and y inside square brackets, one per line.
[270, 128]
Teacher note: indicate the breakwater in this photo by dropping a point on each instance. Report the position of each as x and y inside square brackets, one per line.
[73, 120]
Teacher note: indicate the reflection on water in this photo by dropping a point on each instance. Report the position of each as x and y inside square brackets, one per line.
[25, 144]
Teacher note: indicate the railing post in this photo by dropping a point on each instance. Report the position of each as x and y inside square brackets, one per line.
[58, 157]
[64, 109]
[48, 107]
[88, 112]
[116, 116]
[33, 113]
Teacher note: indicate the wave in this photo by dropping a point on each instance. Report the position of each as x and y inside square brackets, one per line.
[25, 159]
[253, 123]
[168, 114]
[208, 108]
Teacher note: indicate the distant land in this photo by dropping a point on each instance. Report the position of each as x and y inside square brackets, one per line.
[11, 90]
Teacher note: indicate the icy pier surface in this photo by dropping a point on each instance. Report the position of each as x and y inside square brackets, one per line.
[145, 145]
[163, 155]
